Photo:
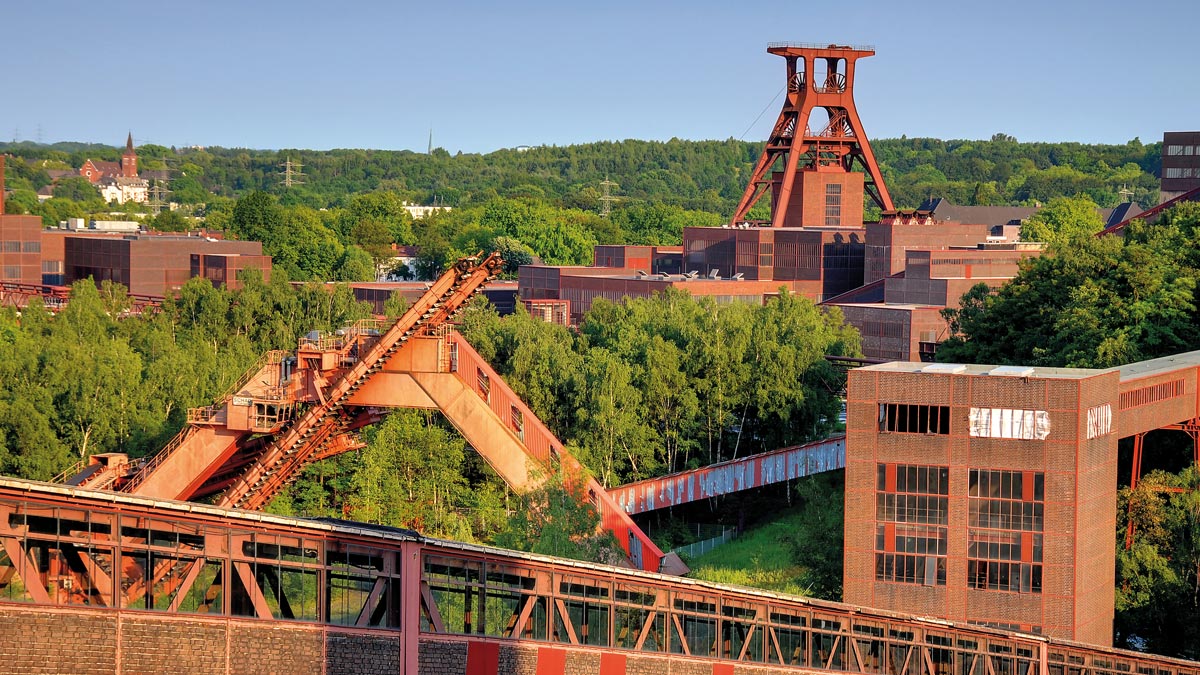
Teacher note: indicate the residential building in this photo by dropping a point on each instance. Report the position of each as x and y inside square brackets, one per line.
[118, 182]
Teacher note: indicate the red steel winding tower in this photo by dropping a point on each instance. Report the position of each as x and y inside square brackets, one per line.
[817, 165]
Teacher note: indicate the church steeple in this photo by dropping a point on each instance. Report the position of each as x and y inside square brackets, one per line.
[129, 159]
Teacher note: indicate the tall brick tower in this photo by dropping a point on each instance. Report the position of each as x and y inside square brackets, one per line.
[129, 159]
[810, 172]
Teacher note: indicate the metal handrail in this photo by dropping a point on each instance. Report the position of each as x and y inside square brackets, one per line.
[71, 471]
[203, 415]
[158, 458]
[814, 45]
[273, 357]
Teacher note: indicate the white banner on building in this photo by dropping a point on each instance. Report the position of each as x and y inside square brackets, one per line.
[1099, 421]
[1028, 425]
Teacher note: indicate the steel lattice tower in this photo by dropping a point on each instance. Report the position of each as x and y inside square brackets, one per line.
[835, 148]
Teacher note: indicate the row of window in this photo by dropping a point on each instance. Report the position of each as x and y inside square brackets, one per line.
[925, 480]
[1183, 150]
[1151, 394]
[1004, 540]
[925, 510]
[1181, 172]
[1005, 546]
[907, 418]
[1026, 485]
[912, 418]
[22, 247]
[1004, 576]
[833, 204]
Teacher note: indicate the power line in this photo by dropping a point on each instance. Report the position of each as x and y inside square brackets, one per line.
[764, 111]
[606, 198]
[292, 173]
[159, 196]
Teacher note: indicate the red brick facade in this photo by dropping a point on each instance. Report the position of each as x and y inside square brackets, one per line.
[21, 249]
[827, 197]
[154, 265]
[888, 241]
[1070, 593]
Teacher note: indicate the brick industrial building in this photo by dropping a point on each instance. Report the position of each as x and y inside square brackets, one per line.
[899, 316]
[988, 494]
[1180, 164]
[146, 264]
[160, 264]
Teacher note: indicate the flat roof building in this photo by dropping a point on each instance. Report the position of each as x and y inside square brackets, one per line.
[988, 494]
[157, 265]
[899, 317]
[579, 287]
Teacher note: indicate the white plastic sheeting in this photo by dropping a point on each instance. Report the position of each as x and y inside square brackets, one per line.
[1099, 421]
[1030, 425]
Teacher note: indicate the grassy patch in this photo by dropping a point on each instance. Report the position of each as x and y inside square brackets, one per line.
[760, 558]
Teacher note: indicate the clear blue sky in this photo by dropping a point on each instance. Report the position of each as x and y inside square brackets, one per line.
[488, 75]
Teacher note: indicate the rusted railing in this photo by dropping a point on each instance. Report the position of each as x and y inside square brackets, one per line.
[206, 415]
[158, 458]
[71, 471]
[814, 45]
[273, 357]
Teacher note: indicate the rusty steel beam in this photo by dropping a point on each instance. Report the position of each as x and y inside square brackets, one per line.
[732, 476]
[1192, 195]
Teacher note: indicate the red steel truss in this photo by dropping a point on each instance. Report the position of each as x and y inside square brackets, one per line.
[14, 294]
[840, 145]
[1154, 212]
[133, 559]
[291, 409]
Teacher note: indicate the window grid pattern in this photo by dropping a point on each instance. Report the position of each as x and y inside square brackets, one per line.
[1151, 394]
[1004, 535]
[908, 418]
[911, 520]
[833, 204]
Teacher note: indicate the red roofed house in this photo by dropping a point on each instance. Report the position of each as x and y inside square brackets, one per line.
[118, 181]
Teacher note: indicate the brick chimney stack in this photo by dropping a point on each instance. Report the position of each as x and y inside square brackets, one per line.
[1, 184]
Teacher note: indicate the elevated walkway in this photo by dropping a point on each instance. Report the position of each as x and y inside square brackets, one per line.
[732, 476]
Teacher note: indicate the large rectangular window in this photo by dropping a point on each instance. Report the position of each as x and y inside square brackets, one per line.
[1004, 535]
[907, 418]
[910, 523]
[833, 204]
[1030, 425]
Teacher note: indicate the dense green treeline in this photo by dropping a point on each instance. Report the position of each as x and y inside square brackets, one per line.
[540, 203]
[695, 175]
[651, 386]
[1091, 302]
[85, 381]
